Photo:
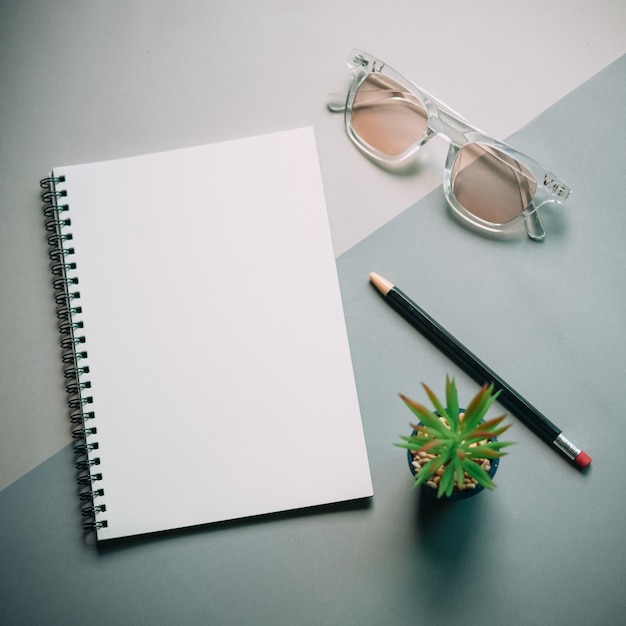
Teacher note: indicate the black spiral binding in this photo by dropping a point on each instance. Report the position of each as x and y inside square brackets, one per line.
[75, 367]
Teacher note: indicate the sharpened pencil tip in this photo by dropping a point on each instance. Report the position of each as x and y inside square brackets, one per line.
[382, 284]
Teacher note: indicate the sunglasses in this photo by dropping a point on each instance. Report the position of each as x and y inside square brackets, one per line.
[488, 184]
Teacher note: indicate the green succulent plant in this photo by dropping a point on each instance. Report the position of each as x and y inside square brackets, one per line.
[455, 443]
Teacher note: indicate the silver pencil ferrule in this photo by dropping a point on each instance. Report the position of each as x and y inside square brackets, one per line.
[567, 447]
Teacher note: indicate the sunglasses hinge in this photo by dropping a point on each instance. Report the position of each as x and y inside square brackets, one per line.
[555, 186]
[361, 61]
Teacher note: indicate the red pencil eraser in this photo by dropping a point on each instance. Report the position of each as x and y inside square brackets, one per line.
[582, 460]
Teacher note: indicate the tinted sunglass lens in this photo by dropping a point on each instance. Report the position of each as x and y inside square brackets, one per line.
[490, 184]
[386, 116]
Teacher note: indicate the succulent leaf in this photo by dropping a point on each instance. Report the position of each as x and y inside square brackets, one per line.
[478, 407]
[436, 402]
[477, 472]
[492, 423]
[427, 417]
[458, 470]
[430, 445]
[409, 445]
[430, 469]
[481, 433]
[452, 400]
[486, 452]
[446, 484]
[426, 431]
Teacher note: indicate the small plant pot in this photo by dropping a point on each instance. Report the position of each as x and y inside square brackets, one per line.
[456, 495]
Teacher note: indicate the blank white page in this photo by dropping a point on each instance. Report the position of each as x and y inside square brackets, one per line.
[219, 363]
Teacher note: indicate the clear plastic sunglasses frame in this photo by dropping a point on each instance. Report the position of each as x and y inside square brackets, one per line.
[537, 185]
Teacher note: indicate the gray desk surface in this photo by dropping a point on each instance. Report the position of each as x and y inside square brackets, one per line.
[84, 82]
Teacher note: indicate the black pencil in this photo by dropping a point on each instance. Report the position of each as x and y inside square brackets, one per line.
[474, 367]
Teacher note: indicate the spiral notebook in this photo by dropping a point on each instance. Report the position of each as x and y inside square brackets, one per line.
[203, 339]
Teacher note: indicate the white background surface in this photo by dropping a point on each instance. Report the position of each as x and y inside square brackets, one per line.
[86, 81]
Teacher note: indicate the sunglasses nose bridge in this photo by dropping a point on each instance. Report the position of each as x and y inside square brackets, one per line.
[450, 127]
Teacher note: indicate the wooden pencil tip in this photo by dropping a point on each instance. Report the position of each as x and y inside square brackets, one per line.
[382, 284]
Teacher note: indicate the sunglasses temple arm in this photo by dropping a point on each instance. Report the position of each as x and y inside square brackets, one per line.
[336, 102]
[534, 227]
